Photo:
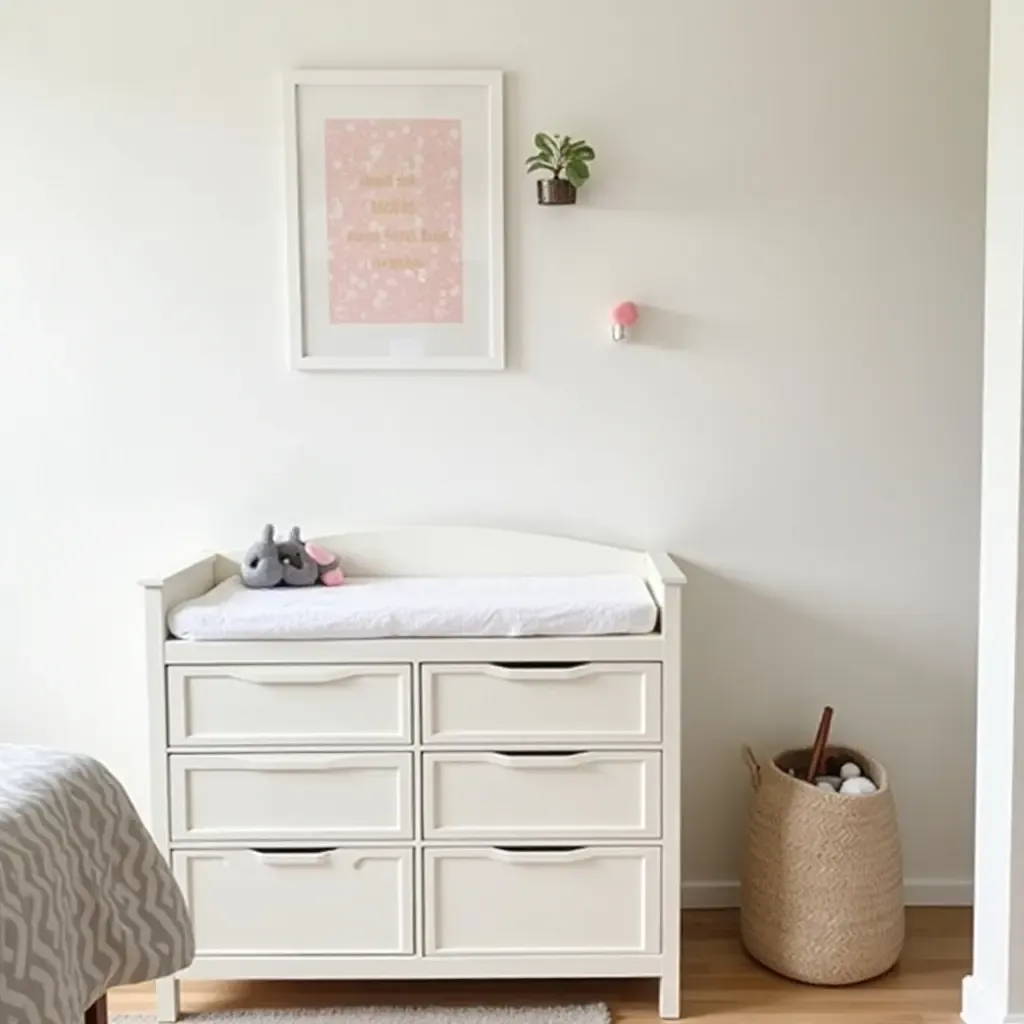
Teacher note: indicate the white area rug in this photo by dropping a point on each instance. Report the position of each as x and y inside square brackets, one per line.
[596, 1013]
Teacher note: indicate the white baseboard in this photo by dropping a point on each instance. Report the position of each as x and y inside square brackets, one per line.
[920, 892]
[977, 1006]
[939, 892]
[712, 895]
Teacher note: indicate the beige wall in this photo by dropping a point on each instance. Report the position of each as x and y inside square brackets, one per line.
[794, 192]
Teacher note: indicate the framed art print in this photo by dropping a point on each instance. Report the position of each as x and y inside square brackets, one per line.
[395, 228]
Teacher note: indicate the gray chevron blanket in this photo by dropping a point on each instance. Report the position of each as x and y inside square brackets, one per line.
[86, 900]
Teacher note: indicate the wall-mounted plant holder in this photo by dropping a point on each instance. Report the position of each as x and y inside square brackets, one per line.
[567, 162]
[555, 192]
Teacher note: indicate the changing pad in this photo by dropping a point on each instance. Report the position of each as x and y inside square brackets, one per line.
[376, 607]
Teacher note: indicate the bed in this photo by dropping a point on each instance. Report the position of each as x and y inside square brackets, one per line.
[87, 901]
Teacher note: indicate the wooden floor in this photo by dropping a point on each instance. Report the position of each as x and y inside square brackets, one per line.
[720, 984]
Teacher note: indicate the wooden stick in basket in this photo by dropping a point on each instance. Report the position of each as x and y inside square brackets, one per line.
[820, 742]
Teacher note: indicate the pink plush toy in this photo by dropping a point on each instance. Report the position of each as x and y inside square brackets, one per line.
[328, 563]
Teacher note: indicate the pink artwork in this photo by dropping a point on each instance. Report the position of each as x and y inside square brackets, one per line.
[394, 220]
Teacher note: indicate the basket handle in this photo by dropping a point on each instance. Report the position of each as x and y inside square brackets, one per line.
[752, 766]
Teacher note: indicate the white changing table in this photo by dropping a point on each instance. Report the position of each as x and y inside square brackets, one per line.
[425, 807]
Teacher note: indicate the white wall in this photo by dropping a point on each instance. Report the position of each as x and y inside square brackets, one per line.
[794, 192]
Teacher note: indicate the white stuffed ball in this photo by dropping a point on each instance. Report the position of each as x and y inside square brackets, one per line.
[832, 782]
[850, 770]
[858, 785]
[825, 785]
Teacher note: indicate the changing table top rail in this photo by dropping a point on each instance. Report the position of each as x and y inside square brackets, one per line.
[644, 647]
[464, 551]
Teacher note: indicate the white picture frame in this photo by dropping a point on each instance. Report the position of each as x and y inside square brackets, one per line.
[395, 197]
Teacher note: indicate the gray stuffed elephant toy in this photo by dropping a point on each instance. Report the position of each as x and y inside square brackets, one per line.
[291, 563]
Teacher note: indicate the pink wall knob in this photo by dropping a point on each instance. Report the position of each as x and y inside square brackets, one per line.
[623, 315]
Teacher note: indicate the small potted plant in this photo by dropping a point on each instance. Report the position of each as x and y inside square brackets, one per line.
[566, 160]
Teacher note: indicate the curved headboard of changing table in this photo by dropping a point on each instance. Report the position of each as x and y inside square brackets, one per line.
[477, 551]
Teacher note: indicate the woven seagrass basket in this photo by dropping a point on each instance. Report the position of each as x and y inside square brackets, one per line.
[821, 893]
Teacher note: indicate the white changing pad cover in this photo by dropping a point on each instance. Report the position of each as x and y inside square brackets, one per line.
[376, 607]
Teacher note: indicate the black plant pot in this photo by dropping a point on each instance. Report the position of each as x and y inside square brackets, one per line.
[555, 192]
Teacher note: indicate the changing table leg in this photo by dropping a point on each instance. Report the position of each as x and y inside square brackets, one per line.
[168, 1005]
[97, 1013]
[669, 1002]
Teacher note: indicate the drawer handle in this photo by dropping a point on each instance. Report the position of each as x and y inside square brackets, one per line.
[294, 677]
[550, 666]
[529, 673]
[539, 854]
[305, 762]
[557, 759]
[293, 858]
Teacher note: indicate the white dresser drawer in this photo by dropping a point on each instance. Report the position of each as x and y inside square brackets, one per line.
[592, 795]
[298, 797]
[591, 703]
[267, 705]
[296, 903]
[590, 900]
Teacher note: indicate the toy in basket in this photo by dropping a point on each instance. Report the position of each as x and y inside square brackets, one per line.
[821, 893]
